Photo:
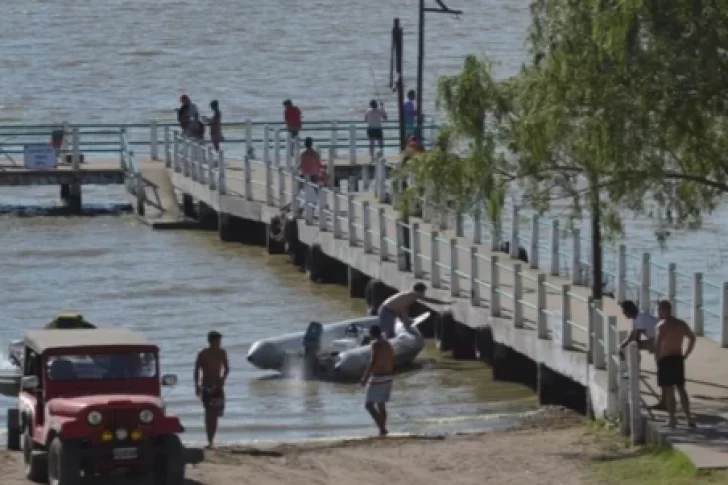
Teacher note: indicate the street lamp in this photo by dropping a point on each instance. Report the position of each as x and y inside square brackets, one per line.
[442, 8]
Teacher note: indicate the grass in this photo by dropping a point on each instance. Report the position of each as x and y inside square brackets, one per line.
[616, 462]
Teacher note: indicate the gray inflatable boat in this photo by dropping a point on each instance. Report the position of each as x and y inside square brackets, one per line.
[341, 351]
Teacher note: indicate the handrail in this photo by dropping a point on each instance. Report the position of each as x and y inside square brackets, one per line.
[134, 179]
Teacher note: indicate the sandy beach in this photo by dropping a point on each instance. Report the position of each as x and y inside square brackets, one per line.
[551, 449]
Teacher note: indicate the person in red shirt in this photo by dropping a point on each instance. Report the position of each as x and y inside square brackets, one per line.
[310, 166]
[293, 118]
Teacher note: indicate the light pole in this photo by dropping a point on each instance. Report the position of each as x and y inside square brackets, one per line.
[442, 8]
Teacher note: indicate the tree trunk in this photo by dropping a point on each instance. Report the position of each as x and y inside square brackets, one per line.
[597, 283]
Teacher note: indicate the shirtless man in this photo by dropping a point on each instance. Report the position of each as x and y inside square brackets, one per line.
[378, 378]
[670, 358]
[212, 363]
[399, 305]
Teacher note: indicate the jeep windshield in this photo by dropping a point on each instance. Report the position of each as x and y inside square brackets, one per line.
[121, 365]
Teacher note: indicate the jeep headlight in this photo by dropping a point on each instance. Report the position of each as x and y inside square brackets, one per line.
[94, 418]
[146, 416]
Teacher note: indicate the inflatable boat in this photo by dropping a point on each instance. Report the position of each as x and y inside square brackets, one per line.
[337, 351]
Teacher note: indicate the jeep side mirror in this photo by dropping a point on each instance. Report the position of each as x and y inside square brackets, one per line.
[169, 380]
[29, 383]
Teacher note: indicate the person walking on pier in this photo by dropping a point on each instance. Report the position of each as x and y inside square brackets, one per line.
[373, 118]
[213, 366]
[378, 378]
[398, 306]
[215, 125]
[671, 359]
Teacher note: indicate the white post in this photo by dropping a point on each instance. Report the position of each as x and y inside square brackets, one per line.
[277, 147]
[334, 140]
[399, 250]
[416, 250]
[167, 147]
[477, 225]
[635, 405]
[293, 177]
[565, 317]
[221, 188]
[494, 295]
[352, 144]
[66, 132]
[268, 184]
[459, 224]
[176, 153]
[623, 400]
[514, 231]
[672, 286]
[534, 242]
[622, 273]
[611, 351]
[367, 226]
[599, 341]
[322, 222]
[383, 246]
[434, 259]
[381, 180]
[266, 146]
[576, 257]
[248, 178]
[76, 159]
[645, 283]
[474, 278]
[365, 178]
[698, 304]
[454, 271]
[517, 295]
[542, 319]
[307, 205]
[351, 219]
[724, 315]
[211, 160]
[248, 137]
[590, 326]
[555, 248]
[153, 141]
[289, 150]
[296, 158]
[335, 213]
[281, 186]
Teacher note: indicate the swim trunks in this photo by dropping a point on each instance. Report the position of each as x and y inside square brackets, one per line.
[387, 320]
[213, 400]
[375, 134]
[671, 371]
[379, 389]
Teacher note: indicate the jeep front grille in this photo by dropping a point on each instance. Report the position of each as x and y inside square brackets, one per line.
[122, 418]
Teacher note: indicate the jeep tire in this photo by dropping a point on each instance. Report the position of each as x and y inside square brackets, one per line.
[64, 463]
[35, 463]
[13, 427]
[169, 466]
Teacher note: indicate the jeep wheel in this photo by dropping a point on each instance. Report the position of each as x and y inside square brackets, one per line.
[13, 433]
[63, 463]
[169, 467]
[35, 465]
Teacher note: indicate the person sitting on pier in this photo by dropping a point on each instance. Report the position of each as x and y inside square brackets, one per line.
[373, 118]
[398, 306]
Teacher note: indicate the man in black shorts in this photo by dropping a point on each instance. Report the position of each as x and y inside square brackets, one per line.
[212, 363]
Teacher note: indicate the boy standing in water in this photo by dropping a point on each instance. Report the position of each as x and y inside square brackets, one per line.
[378, 378]
[212, 363]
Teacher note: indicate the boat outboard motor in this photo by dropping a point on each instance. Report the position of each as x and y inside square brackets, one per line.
[311, 347]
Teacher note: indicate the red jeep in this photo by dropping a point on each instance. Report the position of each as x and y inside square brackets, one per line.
[90, 405]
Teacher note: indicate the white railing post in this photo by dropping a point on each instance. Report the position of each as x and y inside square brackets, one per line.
[248, 174]
[153, 141]
[249, 137]
[222, 189]
[277, 147]
[281, 186]
[266, 146]
[474, 277]
[623, 379]
[400, 253]
[514, 232]
[383, 245]
[459, 224]
[296, 158]
[496, 232]
[555, 247]
[176, 153]
[323, 223]
[351, 219]
[211, 159]
[566, 339]
[76, 158]
[635, 405]
[698, 314]
[724, 315]
[517, 295]
[335, 213]
[367, 225]
[416, 250]
[477, 225]
[621, 273]
[289, 151]
[599, 340]
[381, 180]
[454, 271]
[590, 326]
[434, 259]
[308, 206]
[534, 242]
[334, 140]
[295, 205]
[352, 144]
[494, 294]
[66, 132]
[167, 147]
[542, 319]
[672, 286]
[268, 184]
[612, 367]
[576, 257]
[645, 283]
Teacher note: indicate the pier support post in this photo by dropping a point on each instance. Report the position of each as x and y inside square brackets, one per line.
[274, 241]
[188, 206]
[357, 282]
[71, 196]
[208, 217]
